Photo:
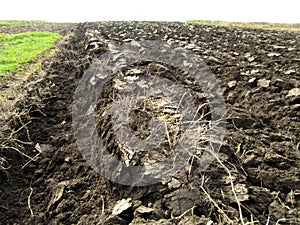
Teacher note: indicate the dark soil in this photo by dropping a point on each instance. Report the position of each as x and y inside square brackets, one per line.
[257, 70]
[61, 28]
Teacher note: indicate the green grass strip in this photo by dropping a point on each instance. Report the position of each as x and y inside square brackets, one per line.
[17, 49]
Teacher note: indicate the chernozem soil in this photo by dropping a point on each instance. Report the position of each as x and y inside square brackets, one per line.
[258, 71]
[60, 28]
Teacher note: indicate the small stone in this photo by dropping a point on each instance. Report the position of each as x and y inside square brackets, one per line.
[293, 92]
[254, 71]
[67, 159]
[247, 73]
[247, 95]
[295, 107]
[272, 54]
[278, 47]
[122, 206]
[191, 46]
[250, 81]
[127, 40]
[232, 84]
[289, 72]
[249, 57]
[263, 83]
[174, 184]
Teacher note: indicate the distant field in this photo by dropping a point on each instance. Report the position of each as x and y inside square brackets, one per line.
[20, 22]
[260, 25]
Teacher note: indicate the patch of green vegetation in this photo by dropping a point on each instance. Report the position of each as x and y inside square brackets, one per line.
[17, 49]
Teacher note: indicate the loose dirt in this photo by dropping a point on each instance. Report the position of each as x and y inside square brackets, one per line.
[258, 71]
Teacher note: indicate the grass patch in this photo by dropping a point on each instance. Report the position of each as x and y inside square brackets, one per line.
[17, 49]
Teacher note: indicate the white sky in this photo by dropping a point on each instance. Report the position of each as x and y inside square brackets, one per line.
[285, 11]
